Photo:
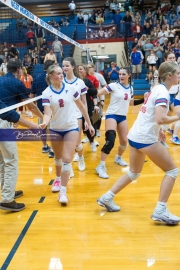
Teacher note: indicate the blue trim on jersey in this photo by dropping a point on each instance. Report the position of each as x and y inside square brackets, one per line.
[108, 88]
[161, 100]
[45, 100]
[118, 118]
[176, 102]
[63, 133]
[62, 89]
[70, 82]
[125, 87]
[171, 98]
[138, 145]
[164, 85]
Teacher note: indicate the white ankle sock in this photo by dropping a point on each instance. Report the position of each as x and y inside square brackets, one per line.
[63, 189]
[109, 195]
[102, 163]
[81, 158]
[160, 207]
[58, 178]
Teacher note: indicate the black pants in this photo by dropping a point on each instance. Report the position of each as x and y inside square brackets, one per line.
[91, 138]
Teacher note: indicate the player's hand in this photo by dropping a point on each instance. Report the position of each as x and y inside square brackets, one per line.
[43, 126]
[15, 125]
[96, 108]
[91, 130]
[162, 136]
[86, 126]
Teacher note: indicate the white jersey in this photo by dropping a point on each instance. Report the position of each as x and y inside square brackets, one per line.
[145, 129]
[80, 86]
[62, 106]
[120, 98]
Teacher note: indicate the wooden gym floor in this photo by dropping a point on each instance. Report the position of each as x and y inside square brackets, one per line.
[83, 236]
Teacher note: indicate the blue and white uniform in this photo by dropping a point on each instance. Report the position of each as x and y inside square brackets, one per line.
[119, 102]
[145, 129]
[62, 106]
[81, 88]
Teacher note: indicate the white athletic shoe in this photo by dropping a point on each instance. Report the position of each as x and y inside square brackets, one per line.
[165, 217]
[101, 171]
[76, 157]
[62, 198]
[108, 204]
[71, 173]
[81, 165]
[98, 133]
[96, 143]
[93, 147]
[85, 140]
[56, 185]
[120, 161]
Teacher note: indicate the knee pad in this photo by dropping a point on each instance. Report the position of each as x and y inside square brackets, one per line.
[173, 173]
[177, 124]
[66, 167]
[110, 139]
[79, 147]
[58, 161]
[133, 176]
[123, 147]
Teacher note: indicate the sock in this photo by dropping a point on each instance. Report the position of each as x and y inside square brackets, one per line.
[81, 158]
[118, 156]
[58, 178]
[102, 163]
[63, 189]
[109, 195]
[160, 207]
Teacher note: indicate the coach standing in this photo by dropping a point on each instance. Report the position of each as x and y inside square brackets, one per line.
[39, 33]
[58, 49]
[12, 92]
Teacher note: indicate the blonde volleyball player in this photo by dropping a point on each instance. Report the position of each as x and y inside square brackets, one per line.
[70, 69]
[121, 97]
[143, 140]
[58, 100]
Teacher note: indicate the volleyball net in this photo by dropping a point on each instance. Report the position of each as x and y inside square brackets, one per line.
[17, 25]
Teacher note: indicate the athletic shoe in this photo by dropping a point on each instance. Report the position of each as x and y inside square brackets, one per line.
[101, 171]
[165, 144]
[98, 133]
[45, 149]
[175, 140]
[93, 147]
[51, 153]
[120, 161]
[85, 140]
[81, 165]
[108, 204]
[18, 194]
[170, 131]
[71, 173]
[76, 157]
[62, 198]
[56, 185]
[12, 206]
[96, 143]
[165, 217]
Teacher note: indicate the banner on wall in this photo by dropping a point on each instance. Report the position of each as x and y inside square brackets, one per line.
[99, 32]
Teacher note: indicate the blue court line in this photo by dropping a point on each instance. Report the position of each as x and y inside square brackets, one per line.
[51, 182]
[18, 241]
[42, 199]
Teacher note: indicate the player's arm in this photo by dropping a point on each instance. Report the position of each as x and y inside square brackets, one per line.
[162, 118]
[34, 109]
[102, 91]
[46, 116]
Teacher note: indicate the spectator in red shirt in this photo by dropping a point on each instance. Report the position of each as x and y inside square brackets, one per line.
[93, 79]
[30, 35]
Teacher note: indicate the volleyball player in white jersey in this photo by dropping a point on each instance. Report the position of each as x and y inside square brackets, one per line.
[59, 98]
[121, 97]
[143, 140]
[70, 69]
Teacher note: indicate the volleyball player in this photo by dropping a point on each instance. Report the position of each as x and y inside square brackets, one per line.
[143, 140]
[70, 69]
[60, 97]
[121, 97]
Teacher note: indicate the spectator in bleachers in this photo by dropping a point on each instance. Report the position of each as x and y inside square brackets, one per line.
[135, 42]
[147, 28]
[113, 72]
[117, 19]
[30, 24]
[113, 6]
[86, 17]
[29, 65]
[178, 29]
[137, 17]
[149, 18]
[162, 35]
[136, 61]
[126, 5]
[30, 35]
[3, 67]
[149, 74]
[80, 18]
[61, 22]
[171, 33]
[152, 59]
[58, 49]
[24, 22]
[35, 55]
[50, 56]
[32, 45]
[143, 39]
[24, 60]
[72, 8]
[44, 45]
[41, 55]
[158, 50]
[177, 50]
[92, 18]
[66, 21]
[106, 7]
[13, 51]
[39, 33]
[100, 19]
[128, 20]
[137, 30]
[140, 6]
[148, 46]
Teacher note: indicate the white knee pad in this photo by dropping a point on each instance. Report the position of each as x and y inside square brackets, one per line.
[177, 124]
[123, 147]
[79, 147]
[133, 176]
[66, 167]
[58, 161]
[173, 173]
